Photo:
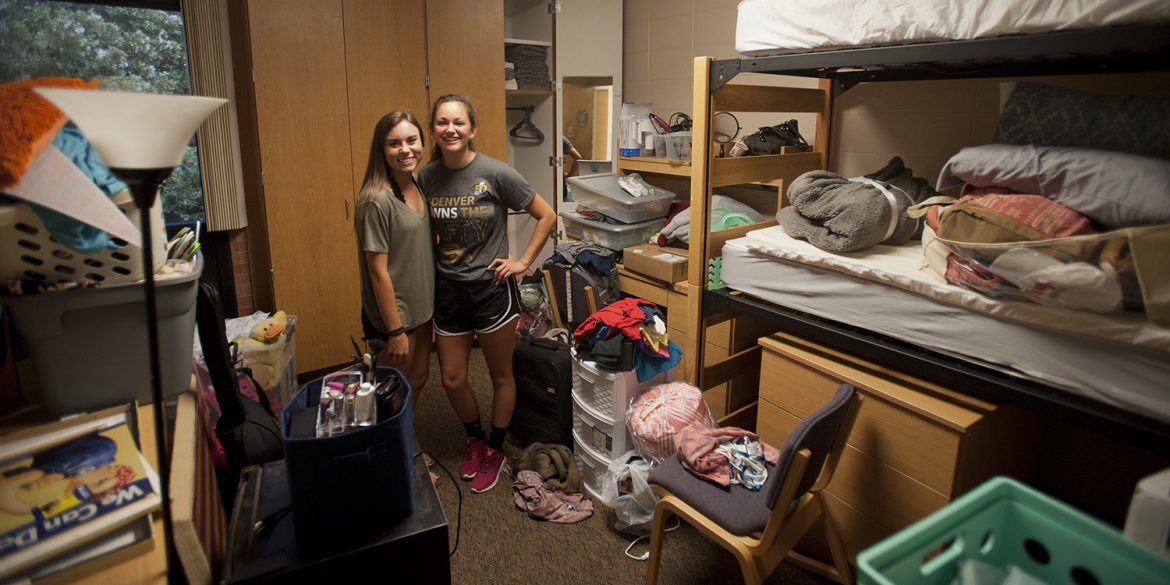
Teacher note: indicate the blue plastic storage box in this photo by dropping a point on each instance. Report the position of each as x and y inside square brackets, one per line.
[353, 482]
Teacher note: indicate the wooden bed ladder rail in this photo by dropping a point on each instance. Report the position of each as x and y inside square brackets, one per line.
[745, 364]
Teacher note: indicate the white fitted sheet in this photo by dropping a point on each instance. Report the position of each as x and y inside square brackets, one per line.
[1120, 360]
[768, 27]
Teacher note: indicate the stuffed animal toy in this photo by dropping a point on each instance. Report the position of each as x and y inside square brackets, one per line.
[269, 330]
[267, 359]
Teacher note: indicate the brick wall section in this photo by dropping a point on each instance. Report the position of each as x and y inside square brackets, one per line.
[239, 246]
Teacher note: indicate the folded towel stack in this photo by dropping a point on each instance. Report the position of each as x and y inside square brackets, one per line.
[531, 67]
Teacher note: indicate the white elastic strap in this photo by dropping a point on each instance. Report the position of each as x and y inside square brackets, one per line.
[889, 198]
[646, 555]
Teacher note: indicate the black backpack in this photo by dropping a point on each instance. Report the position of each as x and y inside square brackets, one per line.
[248, 430]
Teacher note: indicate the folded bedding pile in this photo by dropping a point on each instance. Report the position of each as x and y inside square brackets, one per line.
[1074, 214]
[530, 65]
[846, 215]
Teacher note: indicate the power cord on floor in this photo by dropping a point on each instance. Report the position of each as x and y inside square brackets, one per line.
[459, 506]
[646, 555]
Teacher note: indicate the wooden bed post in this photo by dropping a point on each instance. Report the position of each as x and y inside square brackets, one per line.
[700, 216]
[824, 119]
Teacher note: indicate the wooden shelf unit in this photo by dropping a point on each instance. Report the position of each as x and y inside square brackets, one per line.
[650, 164]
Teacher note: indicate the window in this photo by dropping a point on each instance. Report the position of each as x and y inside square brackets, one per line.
[128, 46]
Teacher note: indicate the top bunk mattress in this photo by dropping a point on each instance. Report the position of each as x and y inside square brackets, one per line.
[1121, 360]
[773, 27]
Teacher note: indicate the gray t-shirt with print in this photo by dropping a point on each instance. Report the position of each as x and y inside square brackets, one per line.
[469, 213]
[389, 226]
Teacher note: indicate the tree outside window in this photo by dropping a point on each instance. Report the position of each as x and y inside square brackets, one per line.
[126, 48]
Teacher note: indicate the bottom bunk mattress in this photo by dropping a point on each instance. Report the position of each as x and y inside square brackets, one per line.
[1120, 360]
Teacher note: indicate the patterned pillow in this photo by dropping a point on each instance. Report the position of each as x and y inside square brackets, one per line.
[1044, 115]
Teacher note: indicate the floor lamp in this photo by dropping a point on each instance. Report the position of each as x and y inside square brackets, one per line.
[142, 138]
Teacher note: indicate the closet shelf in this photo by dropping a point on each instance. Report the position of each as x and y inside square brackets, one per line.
[519, 92]
[527, 42]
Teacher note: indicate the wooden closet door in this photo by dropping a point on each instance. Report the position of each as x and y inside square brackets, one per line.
[465, 55]
[386, 65]
[302, 115]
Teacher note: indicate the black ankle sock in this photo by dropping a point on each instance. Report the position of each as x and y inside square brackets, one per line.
[474, 430]
[496, 441]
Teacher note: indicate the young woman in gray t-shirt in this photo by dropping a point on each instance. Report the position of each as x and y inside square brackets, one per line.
[469, 195]
[396, 255]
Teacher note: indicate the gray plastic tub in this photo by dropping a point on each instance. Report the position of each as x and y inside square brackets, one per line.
[90, 348]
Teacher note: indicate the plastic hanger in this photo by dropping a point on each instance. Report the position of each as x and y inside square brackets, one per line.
[524, 129]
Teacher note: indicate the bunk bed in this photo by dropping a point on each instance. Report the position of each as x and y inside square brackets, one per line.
[1109, 49]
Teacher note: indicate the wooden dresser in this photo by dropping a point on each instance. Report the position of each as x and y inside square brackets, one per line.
[914, 447]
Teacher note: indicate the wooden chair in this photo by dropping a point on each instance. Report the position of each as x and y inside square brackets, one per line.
[760, 528]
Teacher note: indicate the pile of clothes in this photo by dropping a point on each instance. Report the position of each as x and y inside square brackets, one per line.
[604, 336]
[725, 455]
[548, 485]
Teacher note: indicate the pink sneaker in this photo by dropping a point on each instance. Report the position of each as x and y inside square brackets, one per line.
[472, 454]
[490, 466]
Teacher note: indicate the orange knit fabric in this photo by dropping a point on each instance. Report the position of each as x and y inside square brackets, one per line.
[28, 123]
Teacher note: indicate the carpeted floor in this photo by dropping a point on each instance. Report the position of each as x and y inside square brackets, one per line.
[499, 544]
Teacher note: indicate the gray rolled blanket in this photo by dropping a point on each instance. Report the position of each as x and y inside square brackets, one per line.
[845, 215]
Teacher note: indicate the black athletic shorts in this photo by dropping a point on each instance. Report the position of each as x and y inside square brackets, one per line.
[481, 306]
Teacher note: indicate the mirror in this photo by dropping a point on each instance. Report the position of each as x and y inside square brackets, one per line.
[586, 118]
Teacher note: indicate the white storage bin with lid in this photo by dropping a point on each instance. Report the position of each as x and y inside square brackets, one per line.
[606, 393]
[592, 466]
[610, 235]
[678, 146]
[602, 194]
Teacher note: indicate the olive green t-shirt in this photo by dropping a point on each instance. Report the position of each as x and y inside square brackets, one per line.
[387, 225]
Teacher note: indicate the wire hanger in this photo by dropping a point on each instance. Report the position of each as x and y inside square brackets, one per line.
[525, 130]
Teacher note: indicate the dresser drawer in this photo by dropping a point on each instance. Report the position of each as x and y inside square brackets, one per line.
[899, 425]
[887, 495]
[858, 531]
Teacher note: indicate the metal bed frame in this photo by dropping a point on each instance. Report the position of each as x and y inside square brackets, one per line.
[1141, 48]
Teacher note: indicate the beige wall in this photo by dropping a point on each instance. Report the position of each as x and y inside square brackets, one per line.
[924, 122]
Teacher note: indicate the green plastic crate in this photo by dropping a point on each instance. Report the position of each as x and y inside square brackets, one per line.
[1004, 522]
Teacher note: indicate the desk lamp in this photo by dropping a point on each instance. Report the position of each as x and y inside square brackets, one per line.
[142, 138]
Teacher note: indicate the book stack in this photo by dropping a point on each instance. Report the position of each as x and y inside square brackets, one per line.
[72, 492]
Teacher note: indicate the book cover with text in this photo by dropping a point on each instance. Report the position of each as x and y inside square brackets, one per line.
[64, 488]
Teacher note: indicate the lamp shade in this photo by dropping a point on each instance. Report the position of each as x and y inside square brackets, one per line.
[134, 130]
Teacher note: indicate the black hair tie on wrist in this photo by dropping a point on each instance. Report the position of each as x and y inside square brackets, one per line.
[396, 332]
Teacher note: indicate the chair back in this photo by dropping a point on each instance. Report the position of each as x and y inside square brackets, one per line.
[820, 433]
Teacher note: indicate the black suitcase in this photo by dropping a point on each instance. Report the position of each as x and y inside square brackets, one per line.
[543, 369]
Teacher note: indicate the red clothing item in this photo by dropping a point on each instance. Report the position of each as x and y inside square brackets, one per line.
[624, 316]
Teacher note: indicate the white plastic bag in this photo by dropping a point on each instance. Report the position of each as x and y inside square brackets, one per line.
[625, 489]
